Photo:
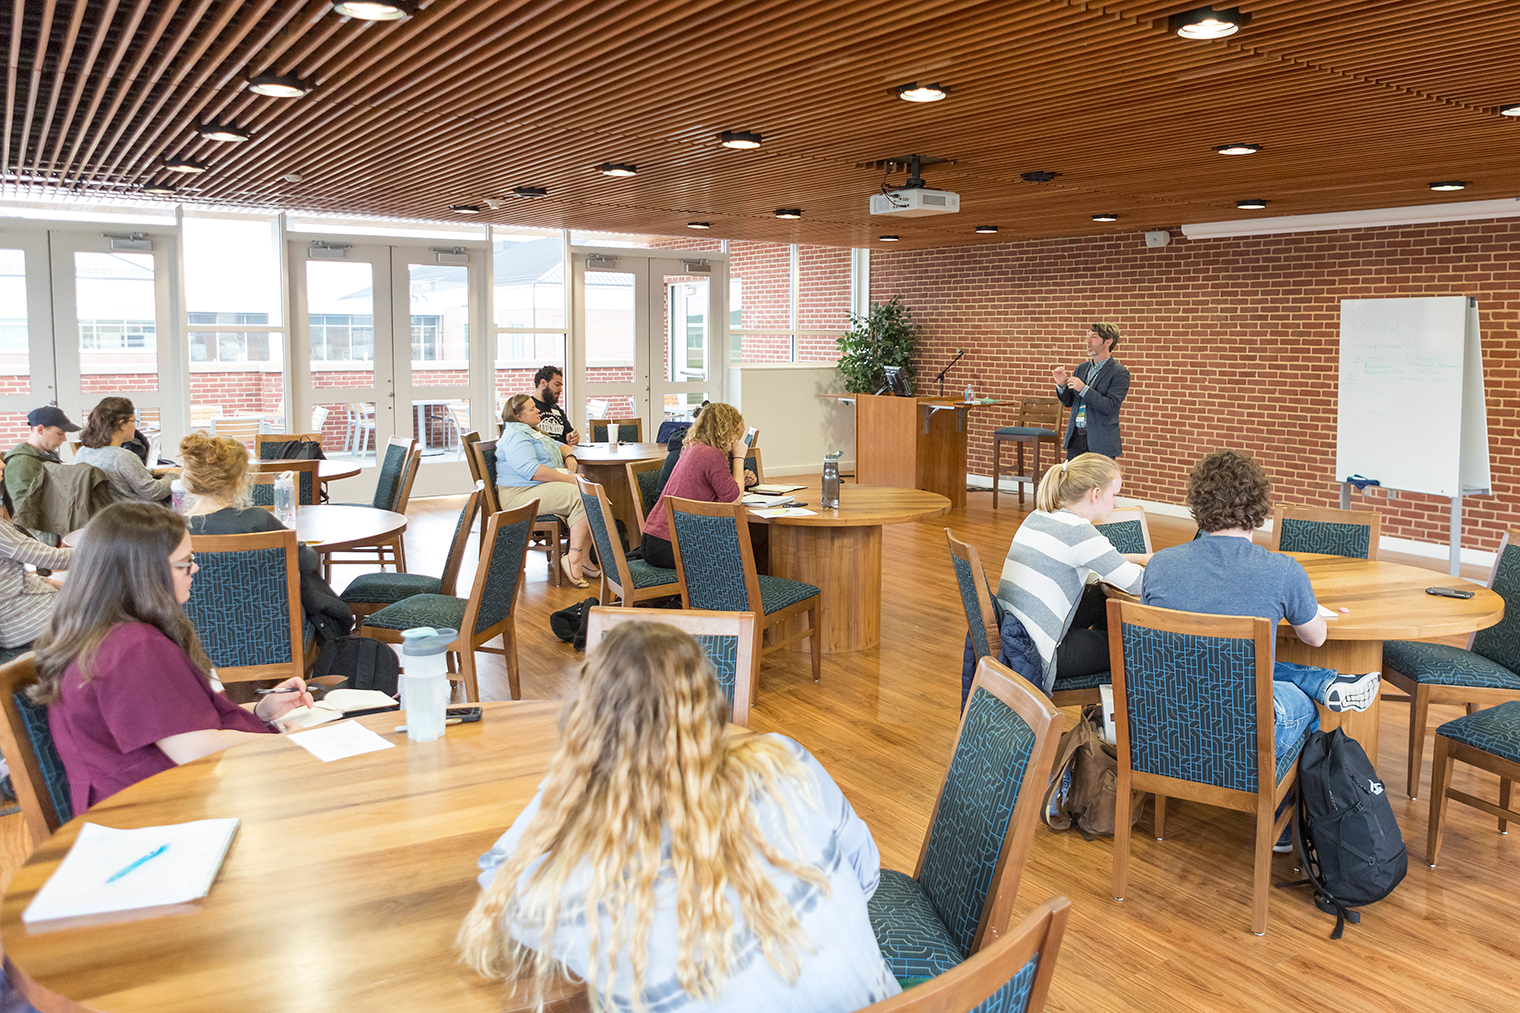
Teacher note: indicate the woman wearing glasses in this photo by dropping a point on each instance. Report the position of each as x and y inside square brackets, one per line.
[112, 423]
[129, 690]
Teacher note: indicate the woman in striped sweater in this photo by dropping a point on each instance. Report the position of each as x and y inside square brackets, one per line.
[1048, 564]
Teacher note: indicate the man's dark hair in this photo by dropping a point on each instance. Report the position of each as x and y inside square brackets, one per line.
[1229, 489]
[1109, 333]
[545, 374]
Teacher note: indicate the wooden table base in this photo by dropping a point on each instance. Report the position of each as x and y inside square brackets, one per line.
[845, 564]
[1345, 656]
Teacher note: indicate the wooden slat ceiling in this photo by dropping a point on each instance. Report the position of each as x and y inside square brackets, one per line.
[1356, 103]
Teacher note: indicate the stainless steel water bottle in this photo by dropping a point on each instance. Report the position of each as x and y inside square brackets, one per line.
[830, 496]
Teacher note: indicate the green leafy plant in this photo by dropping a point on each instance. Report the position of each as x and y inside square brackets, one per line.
[885, 336]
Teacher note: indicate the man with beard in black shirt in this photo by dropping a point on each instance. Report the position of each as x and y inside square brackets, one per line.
[549, 382]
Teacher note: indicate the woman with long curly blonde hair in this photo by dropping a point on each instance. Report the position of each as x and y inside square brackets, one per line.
[710, 470]
[680, 865]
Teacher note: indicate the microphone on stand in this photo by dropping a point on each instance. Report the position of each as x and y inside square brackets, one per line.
[959, 352]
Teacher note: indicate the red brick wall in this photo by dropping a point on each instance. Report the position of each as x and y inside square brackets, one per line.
[1231, 343]
[823, 301]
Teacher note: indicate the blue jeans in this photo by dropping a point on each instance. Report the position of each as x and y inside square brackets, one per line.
[1295, 689]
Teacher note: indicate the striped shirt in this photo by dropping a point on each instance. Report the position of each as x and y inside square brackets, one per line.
[26, 600]
[1046, 569]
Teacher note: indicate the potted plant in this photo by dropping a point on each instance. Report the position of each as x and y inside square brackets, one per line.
[885, 336]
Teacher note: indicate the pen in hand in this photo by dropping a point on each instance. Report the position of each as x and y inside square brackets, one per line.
[113, 877]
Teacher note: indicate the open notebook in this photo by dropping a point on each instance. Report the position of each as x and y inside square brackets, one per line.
[338, 703]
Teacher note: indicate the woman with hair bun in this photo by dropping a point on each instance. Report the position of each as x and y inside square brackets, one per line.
[1045, 575]
[673, 863]
[217, 474]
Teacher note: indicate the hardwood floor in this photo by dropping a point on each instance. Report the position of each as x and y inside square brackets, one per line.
[882, 722]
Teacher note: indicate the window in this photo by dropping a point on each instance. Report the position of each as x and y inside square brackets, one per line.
[339, 337]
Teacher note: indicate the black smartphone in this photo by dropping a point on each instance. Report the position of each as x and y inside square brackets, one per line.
[1448, 592]
[464, 714]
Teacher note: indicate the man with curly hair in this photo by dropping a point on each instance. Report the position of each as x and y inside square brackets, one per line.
[1224, 572]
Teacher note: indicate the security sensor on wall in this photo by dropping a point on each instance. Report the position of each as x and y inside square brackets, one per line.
[1155, 239]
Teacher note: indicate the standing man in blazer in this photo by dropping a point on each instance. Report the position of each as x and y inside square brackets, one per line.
[1094, 391]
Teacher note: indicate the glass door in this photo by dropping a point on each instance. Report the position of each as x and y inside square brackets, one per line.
[681, 295]
[27, 376]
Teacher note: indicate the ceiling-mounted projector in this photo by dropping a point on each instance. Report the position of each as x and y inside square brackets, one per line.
[915, 203]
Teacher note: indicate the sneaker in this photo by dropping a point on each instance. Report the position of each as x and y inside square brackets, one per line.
[1352, 692]
[1284, 843]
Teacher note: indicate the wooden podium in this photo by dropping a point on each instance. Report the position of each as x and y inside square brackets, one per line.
[912, 443]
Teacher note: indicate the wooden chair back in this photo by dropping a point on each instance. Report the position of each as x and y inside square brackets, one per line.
[319, 415]
[1127, 530]
[485, 463]
[989, 979]
[492, 606]
[1041, 413]
[202, 414]
[263, 475]
[243, 430]
[956, 811]
[698, 589]
[467, 440]
[752, 463]
[976, 597]
[247, 612]
[642, 474]
[264, 439]
[28, 776]
[395, 468]
[629, 430]
[413, 465]
[727, 638]
[455, 559]
[1350, 533]
[609, 549]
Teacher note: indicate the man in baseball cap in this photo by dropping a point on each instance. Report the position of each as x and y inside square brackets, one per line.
[48, 428]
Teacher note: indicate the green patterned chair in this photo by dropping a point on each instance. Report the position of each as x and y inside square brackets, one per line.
[1485, 673]
[393, 491]
[546, 526]
[716, 565]
[371, 592]
[629, 580]
[628, 430]
[245, 604]
[644, 484]
[489, 612]
[1489, 740]
[1009, 975]
[1127, 530]
[728, 639]
[961, 895]
[1350, 533]
[37, 774]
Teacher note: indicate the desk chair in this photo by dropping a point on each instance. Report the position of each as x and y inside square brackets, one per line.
[361, 427]
[631, 580]
[245, 431]
[1127, 530]
[1489, 740]
[629, 430]
[1039, 421]
[1485, 673]
[727, 638]
[245, 604]
[319, 415]
[370, 592]
[393, 491]
[643, 483]
[1010, 975]
[37, 774]
[546, 527]
[1193, 719]
[716, 565]
[489, 612]
[960, 897]
[1350, 533]
[263, 475]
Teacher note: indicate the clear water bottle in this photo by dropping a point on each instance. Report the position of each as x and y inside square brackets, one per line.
[285, 499]
[830, 497]
[970, 397]
[179, 497]
[425, 681]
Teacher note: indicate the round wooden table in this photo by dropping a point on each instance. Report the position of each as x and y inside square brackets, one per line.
[839, 552]
[332, 471]
[342, 891]
[604, 465]
[329, 527]
[1386, 601]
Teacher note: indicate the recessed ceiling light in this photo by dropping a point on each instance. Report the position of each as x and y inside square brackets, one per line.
[788, 213]
[699, 225]
[1037, 177]
[987, 230]
[278, 85]
[916, 92]
[617, 169]
[292, 177]
[375, 10]
[1510, 110]
[185, 165]
[159, 189]
[222, 132]
[1207, 23]
[529, 191]
[739, 139]
[887, 239]
[1450, 184]
[465, 209]
[1238, 149]
[1254, 204]
[1105, 217]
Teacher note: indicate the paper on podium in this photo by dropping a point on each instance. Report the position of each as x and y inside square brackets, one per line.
[183, 871]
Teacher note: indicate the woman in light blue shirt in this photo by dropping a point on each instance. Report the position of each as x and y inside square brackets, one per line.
[686, 867]
[530, 465]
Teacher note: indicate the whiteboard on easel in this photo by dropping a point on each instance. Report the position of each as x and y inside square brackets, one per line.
[1411, 409]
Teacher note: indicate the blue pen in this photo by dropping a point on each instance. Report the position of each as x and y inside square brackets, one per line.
[150, 855]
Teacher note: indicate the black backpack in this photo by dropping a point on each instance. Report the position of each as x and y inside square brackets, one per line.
[1353, 851]
[294, 450]
[369, 664]
[570, 624]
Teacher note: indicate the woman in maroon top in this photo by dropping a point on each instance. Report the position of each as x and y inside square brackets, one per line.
[710, 469]
[128, 687]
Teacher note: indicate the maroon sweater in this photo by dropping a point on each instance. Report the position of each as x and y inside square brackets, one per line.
[701, 473]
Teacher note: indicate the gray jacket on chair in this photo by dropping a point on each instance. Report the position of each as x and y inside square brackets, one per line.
[1103, 400]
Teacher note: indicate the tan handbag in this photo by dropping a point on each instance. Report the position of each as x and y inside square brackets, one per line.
[1084, 784]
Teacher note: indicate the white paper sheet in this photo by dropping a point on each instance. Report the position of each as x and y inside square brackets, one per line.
[340, 741]
[785, 512]
[1325, 613]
